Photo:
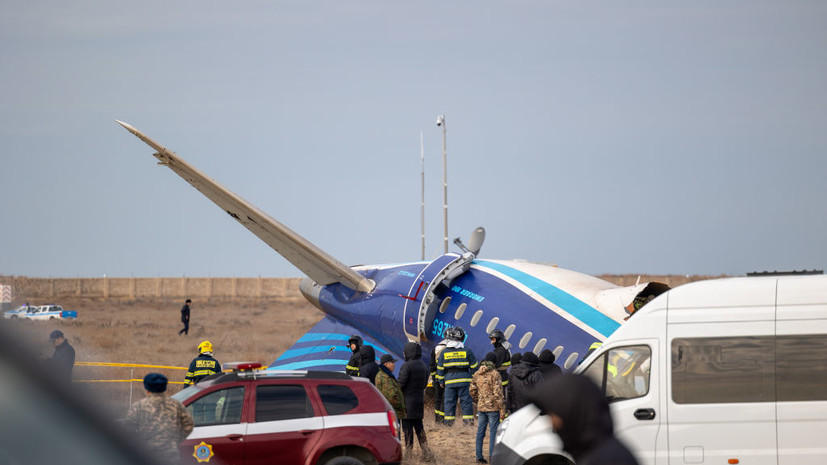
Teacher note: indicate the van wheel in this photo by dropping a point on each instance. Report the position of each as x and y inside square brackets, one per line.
[344, 460]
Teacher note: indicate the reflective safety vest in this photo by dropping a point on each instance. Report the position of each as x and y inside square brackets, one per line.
[201, 367]
[455, 365]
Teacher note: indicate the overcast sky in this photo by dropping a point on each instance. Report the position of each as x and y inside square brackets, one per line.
[602, 136]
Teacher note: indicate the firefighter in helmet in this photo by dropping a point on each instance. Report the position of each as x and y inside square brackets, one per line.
[203, 365]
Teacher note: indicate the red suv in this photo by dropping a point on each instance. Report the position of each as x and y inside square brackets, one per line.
[289, 417]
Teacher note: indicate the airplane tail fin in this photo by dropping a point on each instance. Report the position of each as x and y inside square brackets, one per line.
[314, 262]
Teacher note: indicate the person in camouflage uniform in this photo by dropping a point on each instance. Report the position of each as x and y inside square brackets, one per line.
[389, 387]
[161, 422]
[486, 391]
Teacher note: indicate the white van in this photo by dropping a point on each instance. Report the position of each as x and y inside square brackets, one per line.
[727, 371]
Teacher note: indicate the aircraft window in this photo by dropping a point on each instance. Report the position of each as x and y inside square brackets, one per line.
[476, 318]
[492, 324]
[509, 331]
[557, 351]
[571, 360]
[526, 337]
[460, 311]
[444, 305]
[541, 344]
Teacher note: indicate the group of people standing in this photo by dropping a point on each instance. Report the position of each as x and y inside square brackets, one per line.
[498, 384]
[405, 394]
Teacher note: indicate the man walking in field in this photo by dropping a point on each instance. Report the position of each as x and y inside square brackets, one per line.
[185, 317]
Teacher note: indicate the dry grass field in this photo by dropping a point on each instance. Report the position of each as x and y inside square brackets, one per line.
[146, 332]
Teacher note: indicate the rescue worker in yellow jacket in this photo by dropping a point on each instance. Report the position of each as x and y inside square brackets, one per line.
[203, 365]
[453, 371]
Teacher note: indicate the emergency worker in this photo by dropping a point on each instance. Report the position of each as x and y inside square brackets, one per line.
[203, 365]
[355, 343]
[503, 361]
[454, 367]
[439, 390]
[161, 422]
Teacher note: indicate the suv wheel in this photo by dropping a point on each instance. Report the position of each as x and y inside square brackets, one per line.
[344, 460]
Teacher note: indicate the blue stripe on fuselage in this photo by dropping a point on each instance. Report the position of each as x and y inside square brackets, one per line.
[574, 306]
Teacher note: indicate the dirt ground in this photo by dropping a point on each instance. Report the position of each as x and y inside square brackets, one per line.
[146, 332]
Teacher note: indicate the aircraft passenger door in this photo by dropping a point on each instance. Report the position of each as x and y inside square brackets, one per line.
[629, 377]
[421, 295]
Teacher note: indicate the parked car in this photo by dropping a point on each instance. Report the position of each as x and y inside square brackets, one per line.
[48, 312]
[289, 417]
[17, 312]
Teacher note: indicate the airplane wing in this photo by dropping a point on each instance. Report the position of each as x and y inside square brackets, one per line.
[311, 260]
[325, 347]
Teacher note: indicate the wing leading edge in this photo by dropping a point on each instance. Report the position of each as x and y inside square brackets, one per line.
[317, 264]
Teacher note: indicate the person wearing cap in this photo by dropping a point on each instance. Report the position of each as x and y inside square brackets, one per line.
[487, 392]
[203, 365]
[522, 378]
[160, 421]
[413, 378]
[389, 386]
[63, 360]
[185, 317]
[579, 413]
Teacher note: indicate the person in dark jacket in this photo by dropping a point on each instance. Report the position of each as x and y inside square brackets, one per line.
[63, 360]
[367, 363]
[579, 413]
[547, 365]
[516, 358]
[522, 378]
[355, 343]
[413, 377]
[185, 317]
[503, 361]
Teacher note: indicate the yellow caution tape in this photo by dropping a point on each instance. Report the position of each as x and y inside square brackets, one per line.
[117, 381]
[127, 365]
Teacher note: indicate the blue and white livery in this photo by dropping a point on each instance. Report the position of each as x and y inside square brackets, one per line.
[537, 306]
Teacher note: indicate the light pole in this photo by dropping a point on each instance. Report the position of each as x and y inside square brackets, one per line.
[440, 121]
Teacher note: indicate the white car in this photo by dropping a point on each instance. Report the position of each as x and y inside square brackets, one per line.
[17, 312]
[47, 312]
